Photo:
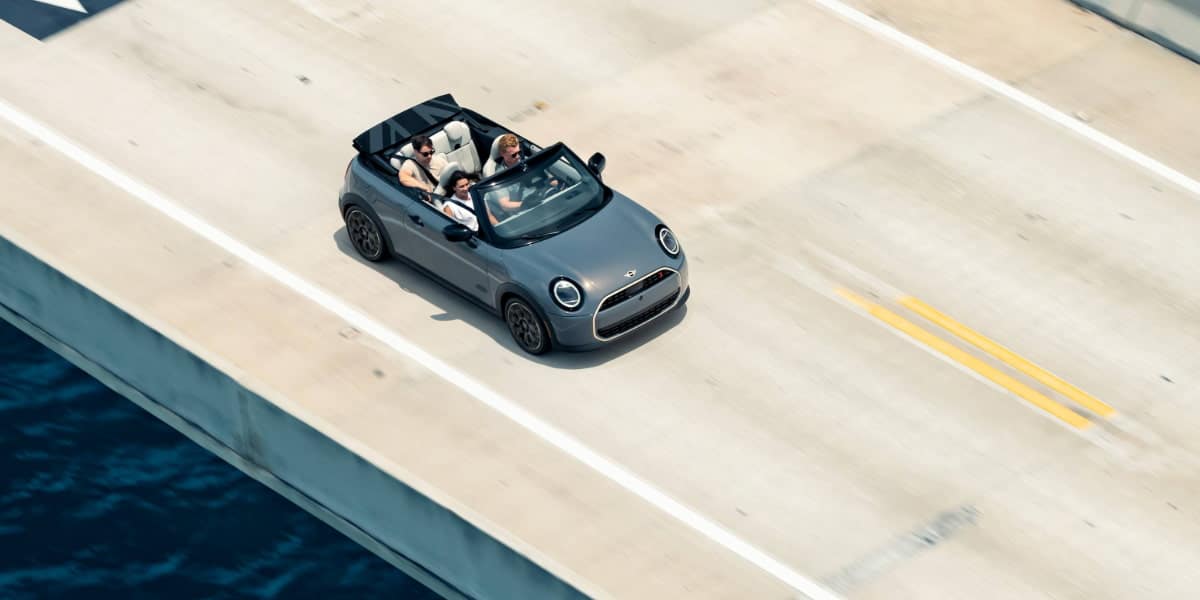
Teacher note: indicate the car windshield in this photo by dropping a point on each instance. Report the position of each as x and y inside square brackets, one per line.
[549, 193]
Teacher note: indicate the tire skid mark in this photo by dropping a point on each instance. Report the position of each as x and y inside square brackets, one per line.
[940, 529]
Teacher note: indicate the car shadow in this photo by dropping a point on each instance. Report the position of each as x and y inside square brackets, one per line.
[457, 308]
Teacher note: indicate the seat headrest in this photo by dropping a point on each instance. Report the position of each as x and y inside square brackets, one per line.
[458, 134]
[404, 151]
[441, 143]
[444, 178]
[495, 153]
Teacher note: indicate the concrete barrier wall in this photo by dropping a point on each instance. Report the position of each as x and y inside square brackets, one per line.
[429, 542]
[1172, 23]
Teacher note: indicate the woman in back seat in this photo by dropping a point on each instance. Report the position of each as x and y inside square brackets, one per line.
[459, 185]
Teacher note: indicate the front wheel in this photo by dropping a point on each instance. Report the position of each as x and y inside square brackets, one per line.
[365, 234]
[527, 329]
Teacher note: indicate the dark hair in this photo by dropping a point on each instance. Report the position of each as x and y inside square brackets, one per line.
[420, 141]
[453, 181]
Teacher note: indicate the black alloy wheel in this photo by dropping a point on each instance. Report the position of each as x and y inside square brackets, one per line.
[526, 328]
[365, 235]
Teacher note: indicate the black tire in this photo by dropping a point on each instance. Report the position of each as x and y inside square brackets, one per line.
[366, 234]
[526, 327]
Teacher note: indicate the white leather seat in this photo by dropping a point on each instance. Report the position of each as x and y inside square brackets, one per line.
[404, 152]
[441, 145]
[441, 142]
[460, 148]
[451, 144]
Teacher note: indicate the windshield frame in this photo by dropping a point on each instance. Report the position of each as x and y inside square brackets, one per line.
[543, 157]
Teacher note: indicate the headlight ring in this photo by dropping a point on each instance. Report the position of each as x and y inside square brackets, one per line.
[667, 241]
[566, 294]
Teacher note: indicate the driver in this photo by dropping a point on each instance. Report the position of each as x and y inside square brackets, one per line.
[512, 199]
[510, 152]
[510, 155]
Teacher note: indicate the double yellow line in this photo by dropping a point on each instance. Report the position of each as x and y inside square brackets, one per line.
[1021, 390]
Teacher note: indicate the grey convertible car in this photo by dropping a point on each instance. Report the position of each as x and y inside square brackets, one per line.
[576, 266]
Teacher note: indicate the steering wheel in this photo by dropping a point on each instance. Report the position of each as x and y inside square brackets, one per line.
[542, 190]
[540, 195]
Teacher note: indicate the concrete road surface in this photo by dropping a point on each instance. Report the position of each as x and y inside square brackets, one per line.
[829, 185]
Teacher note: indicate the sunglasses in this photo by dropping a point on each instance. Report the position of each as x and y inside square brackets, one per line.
[430, 153]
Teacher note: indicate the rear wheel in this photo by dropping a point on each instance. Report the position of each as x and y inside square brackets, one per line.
[365, 234]
[526, 327]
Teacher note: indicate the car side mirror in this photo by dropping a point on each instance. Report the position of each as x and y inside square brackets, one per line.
[596, 163]
[457, 232]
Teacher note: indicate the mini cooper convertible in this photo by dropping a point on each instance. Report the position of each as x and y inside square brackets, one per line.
[565, 260]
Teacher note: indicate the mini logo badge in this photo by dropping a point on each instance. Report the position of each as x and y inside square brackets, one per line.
[631, 272]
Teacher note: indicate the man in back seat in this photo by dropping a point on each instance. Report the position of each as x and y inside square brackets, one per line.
[421, 170]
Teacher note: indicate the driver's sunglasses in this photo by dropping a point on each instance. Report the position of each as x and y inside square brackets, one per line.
[430, 153]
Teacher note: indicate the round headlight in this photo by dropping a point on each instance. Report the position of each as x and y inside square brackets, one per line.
[667, 240]
[566, 294]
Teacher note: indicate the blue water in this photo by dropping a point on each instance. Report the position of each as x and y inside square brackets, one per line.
[98, 499]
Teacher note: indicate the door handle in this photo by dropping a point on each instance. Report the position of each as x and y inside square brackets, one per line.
[416, 219]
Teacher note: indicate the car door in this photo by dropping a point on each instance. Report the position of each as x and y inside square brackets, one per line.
[393, 204]
[465, 265]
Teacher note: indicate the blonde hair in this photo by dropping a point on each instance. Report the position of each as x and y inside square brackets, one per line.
[508, 140]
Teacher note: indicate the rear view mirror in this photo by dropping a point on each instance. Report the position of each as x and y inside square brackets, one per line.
[596, 163]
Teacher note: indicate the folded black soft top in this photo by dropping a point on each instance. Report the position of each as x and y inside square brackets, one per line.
[406, 124]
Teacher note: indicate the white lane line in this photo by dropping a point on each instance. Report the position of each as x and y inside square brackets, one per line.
[502, 405]
[67, 4]
[943, 60]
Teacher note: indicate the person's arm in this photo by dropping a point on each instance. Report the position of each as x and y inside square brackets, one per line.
[508, 203]
[491, 201]
[409, 180]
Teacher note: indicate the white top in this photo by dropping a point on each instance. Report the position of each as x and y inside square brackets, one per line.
[466, 216]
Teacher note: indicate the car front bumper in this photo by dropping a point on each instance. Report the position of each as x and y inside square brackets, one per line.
[579, 332]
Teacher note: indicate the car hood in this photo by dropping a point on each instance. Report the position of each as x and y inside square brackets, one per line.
[598, 252]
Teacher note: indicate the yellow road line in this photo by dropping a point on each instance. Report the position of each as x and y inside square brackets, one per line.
[1047, 378]
[965, 359]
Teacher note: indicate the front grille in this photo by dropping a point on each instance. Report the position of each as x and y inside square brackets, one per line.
[638, 319]
[644, 284]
